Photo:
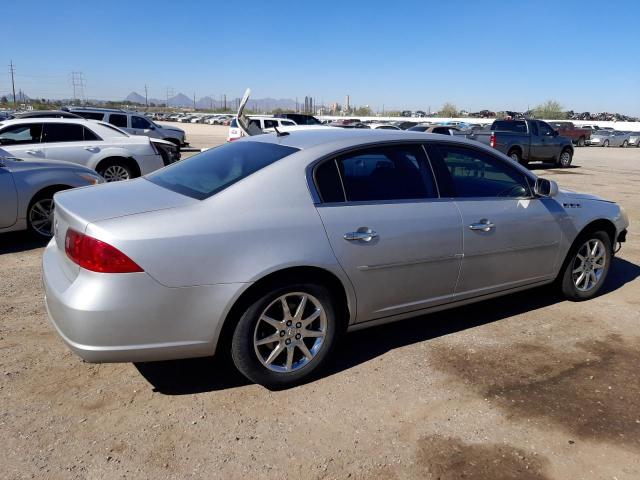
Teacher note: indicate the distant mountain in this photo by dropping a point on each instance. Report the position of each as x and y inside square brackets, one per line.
[135, 97]
[208, 102]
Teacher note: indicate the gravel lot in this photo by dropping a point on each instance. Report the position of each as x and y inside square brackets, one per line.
[528, 386]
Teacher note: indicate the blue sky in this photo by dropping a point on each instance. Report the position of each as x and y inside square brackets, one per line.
[407, 54]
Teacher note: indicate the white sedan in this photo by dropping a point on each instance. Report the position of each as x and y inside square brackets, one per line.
[102, 147]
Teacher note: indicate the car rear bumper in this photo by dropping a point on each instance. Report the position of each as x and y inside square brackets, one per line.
[131, 317]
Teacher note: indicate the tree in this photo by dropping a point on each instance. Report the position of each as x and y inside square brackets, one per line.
[550, 110]
[449, 110]
[363, 112]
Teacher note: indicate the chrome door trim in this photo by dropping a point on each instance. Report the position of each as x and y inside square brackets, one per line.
[410, 262]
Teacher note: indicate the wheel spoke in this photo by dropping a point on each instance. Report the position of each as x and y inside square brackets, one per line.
[580, 278]
[285, 308]
[274, 323]
[579, 269]
[289, 358]
[301, 307]
[307, 321]
[594, 279]
[270, 339]
[593, 250]
[312, 333]
[305, 351]
[274, 354]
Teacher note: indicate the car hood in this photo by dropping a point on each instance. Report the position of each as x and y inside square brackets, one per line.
[172, 129]
[118, 199]
[582, 196]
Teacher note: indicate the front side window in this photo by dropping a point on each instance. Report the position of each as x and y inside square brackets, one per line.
[62, 132]
[24, 133]
[209, 172]
[139, 122]
[545, 130]
[118, 120]
[467, 172]
[394, 172]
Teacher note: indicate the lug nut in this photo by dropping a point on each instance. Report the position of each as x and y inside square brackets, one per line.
[282, 333]
[299, 325]
[298, 336]
[287, 341]
[289, 323]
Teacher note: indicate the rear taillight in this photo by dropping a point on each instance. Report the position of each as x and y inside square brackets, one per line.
[492, 140]
[97, 256]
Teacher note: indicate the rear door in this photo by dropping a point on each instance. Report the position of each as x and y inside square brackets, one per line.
[8, 197]
[71, 142]
[397, 241]
[22, 140]
[511, 238]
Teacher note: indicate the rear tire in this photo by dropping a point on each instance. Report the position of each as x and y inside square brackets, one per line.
[115, 171]
[605, 143]
[297, 349]
[584, 273]
[516, 156]
[565, 158]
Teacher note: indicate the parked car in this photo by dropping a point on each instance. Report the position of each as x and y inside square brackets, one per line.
[610, 138]
[441, 129]
[260, 123]
[133, 123]
[44, 114]
[27, 189]
[634, 139]
[383, 126]
[526, 141]
[403, 125]
[100, 146]
[349, 125]
[351, 229]
[578, 135]
[300, 118]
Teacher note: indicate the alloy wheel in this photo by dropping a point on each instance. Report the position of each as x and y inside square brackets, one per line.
[290, 332]
[115, 173]
[565, 159]
[589, 264]
[40, 216]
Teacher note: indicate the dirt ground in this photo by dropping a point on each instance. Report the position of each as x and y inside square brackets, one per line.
[522, 387]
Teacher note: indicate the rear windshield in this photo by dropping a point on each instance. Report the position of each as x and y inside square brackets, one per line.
[209, 172]
[510, 126]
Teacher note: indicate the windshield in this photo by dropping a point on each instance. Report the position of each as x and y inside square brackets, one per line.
[210, 172]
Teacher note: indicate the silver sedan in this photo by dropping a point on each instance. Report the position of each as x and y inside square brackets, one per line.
[610, 138]
[273, 246]
[27, 188]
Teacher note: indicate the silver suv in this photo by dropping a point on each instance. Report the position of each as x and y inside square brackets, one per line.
[132, 122]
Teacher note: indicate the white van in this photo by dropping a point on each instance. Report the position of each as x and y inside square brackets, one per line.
[263, 123]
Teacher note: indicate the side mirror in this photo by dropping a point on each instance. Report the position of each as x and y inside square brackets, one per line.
[545, 188]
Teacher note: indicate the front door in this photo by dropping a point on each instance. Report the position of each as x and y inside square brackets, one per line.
[8, 198]
[142, 126]
[398, 242]
[511, 238]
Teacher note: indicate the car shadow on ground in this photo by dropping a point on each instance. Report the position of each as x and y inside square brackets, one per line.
[180, 377]
[15, 242]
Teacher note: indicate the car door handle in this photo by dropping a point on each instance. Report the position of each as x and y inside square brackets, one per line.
[92, 149]
[33, 152]
[483, 225]
[362, 234]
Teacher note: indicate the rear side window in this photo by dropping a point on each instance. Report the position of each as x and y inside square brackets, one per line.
[377, 174]
[24, 133]
[118, 120]
[91, 115]
[62, 132]
[270, 123]
[209, 172]
[467, 172]
[517, 126]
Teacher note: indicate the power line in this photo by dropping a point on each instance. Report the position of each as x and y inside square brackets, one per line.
[78, 83]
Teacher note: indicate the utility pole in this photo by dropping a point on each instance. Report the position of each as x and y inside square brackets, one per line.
[13, 83]
[194, 101]
[225, 101]
[146, 98]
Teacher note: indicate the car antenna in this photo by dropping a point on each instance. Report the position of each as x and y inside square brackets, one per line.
[279, 133]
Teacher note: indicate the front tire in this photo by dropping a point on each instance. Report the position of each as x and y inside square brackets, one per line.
[624, 144]
[40, 215]
[605, 143]
[587, 266]
[285, 335]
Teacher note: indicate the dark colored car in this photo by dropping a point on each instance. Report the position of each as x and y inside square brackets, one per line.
[44, 114]
[405, 125]
[300, 118]
[527, 141]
